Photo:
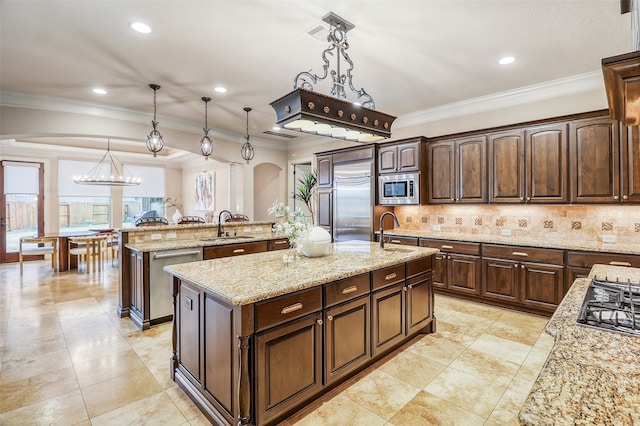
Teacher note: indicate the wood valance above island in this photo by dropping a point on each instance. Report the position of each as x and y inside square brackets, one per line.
[255, 338]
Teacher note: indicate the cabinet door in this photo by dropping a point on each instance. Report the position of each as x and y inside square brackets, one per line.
[408, 157]
[440, 278]
[288, 366]
[387, 157]
[546, 164]
[325, 170]
[500, 280]
[573, 273]
[388, 317]
[441, 172]
[419, 307]
[137, 281]
[189, 334]
[464, 273]
[347, 337]
[631, 164]
[595, 161]
[541, 285]
[506, 167]
[471, 170]
[325, 209]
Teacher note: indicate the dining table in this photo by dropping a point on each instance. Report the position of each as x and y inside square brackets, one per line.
[64, 263]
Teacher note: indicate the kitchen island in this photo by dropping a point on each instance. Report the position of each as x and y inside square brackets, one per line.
[255, 338]
[591, 376]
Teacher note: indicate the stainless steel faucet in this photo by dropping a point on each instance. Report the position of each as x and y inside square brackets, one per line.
[220, 230]
[382, 230]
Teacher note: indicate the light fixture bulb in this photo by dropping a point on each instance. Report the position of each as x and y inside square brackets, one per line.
[507, 60]
[99, 91]
[220, 89]
[140, 27]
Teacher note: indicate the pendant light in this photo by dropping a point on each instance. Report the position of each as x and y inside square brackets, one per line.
[247, 152]
[107, 172]
[206, 144]
[154, 140]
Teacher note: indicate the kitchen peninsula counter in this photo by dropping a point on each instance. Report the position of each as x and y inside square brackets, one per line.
[256, 338]
[185, 243]
[591, 376]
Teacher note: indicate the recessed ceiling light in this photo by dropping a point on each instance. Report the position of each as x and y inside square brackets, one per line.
[507, 60]
[276, 128]
[220, 89]
[141, 28]
[99, 91]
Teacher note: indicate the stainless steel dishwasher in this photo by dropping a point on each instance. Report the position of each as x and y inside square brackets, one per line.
[160, 302]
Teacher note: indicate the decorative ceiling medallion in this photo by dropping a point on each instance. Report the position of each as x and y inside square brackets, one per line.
[326, 109]
[311, 106]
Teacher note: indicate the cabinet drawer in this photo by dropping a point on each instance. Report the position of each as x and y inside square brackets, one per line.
[449, 246]
[587, 260]
[419, 266]
[280, 244]
[287, 308]
[234, 250]
[347, 289]
[388, 276]
[394, 239]
[524, 254]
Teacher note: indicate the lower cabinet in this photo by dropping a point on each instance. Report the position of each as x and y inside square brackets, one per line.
[388, 317]
[234, 250]
[457, 265]
[579, 263]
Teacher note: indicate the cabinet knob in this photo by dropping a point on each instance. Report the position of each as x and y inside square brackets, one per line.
[528, 198]
[453, 199]
[615, 197]
[319, 322]
[330, 318]
[624, 197]
[521, 198]
[522, 266]
[515, 266]
[404, 288]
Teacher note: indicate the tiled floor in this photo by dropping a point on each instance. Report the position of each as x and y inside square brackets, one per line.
[67, 358]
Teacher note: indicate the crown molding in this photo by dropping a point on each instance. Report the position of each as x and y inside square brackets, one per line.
[523, 95]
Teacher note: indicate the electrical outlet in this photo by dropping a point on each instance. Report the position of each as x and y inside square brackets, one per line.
[156, 236]
[506, 232]
[436, 227]
[247, 229]
[609, 239]
[171, 235]
[258, 228]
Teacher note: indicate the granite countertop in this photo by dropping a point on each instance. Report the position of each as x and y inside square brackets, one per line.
[241, 280]
[519, 241]
[174, 226]
[591, 376]
[178, 243]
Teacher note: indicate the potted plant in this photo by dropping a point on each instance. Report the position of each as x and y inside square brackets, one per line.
[305, 191]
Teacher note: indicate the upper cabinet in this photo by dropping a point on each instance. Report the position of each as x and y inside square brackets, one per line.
[506, 167]
[325, 170]
[457, 171]
[402, 156]
[546, 163]
[630, 164]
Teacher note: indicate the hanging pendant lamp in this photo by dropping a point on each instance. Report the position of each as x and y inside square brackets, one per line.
[247, 152]
[206, 144]
[154, 140]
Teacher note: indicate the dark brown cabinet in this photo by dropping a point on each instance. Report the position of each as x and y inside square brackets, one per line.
[400, 157]
[630, 165]
[457, 171]
[234, 250]
[139, 302]
[457, 265]
[594, 149]
[579, 263]
[507, 167]
[325, 170]
[388, 317]
[546, 151]
[526, 276]
[189, 341]
[280, 244]
[325, 209]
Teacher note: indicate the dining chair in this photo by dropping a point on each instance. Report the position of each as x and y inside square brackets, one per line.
[91, 249]
[152, 221]
[30, 246]
[190, 220]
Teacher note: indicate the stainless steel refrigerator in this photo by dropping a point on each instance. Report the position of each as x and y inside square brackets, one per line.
[353, 198]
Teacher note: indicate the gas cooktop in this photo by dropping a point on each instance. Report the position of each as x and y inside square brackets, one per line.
[612, 305]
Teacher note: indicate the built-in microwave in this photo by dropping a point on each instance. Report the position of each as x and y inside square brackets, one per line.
[399, 189]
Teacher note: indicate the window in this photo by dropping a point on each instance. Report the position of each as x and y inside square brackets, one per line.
[81, 207]
[148, 197]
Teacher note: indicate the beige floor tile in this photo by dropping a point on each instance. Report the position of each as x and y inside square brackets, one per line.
[428, 409]
[25, 392]
[99, 369]
[519, 333]
[18, 336]
[466, 391]
[98, 320]
[341, 411]
[200, 421]
[536, 359]
[503, 348]
[156, 409]
[437, 348]
[64, 409]
[412, 368]
[85, 336]
[119, 391]
[42, 346]
[186, 406]
[524, 379]
[463, 328]
[15, 369]
[486, 367]
[98, 348]
[506, 412]
[381, 394]
[545, 342]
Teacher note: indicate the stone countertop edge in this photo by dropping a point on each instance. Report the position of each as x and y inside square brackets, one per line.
[178, 243]
[242, 280]
[552, 243]
[591, 376]
[174, 226]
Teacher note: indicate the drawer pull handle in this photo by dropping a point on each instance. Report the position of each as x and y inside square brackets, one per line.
[291, 308]
[238, 251]
[390, 276]
[520, 253]
[616, 263]
[349, 289]
[282, 242]
[319, 322]
[446, 246]
[395, 241]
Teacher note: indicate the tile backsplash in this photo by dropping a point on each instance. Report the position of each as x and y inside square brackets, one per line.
[575, 223]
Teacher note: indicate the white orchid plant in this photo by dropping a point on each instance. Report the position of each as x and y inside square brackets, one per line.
[294, 226]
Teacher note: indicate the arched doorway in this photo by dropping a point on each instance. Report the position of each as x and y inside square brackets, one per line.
[267, 184]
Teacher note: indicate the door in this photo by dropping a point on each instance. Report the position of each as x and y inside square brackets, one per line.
[22, 199]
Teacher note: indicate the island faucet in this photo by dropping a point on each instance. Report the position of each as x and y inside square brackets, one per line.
[382, 230]
[220, 230]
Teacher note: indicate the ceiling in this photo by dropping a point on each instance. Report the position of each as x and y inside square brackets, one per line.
[408, 55]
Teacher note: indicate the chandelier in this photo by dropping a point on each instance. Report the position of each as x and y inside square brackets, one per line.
[206, 144]
[247, 152]
[107, 172]
[154, 140]
[307, 111]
